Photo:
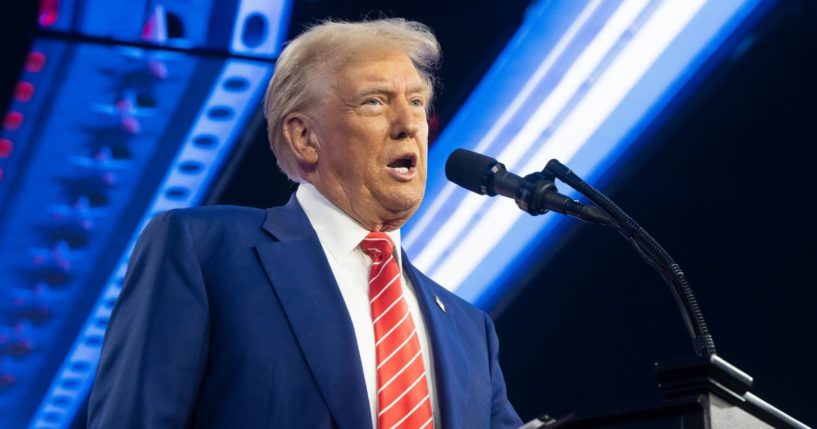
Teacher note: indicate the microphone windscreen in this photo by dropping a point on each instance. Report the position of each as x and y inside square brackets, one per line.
[469, 170]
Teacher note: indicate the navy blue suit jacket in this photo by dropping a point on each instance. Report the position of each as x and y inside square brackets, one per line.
[231, 318]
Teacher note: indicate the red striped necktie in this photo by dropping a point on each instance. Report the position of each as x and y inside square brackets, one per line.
[402, 388]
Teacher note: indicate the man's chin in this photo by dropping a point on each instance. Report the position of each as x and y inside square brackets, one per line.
[400, 213]
[407, 202]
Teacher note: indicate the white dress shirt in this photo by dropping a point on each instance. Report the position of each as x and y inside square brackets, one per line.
[340, 236]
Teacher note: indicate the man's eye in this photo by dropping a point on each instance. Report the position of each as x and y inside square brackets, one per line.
[373, 102]
[417, 102]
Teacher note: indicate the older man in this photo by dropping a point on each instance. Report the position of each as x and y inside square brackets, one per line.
[308, 315]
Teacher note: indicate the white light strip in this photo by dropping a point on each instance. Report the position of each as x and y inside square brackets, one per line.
[579, 75]
[607, 92]
[513, 108]
[571, 82]
[617, 81]
[60, 404]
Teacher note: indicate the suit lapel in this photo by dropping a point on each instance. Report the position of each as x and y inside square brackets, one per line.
[306, 287]
[451, 364]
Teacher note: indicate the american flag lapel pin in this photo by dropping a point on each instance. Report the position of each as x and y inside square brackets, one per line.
[439, 303]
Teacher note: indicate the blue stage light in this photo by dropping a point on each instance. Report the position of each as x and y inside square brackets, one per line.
[101, 136]
[185, 184]
[579, 81]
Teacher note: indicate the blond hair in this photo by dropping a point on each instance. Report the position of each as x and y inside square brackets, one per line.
[292, 87]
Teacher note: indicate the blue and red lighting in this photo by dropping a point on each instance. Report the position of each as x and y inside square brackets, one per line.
[49, 13]
[13, 121]
[24, 92]
[100, 136]
[35, 62]
[6, 148]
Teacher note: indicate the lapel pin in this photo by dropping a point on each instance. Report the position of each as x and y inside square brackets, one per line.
[439, 303]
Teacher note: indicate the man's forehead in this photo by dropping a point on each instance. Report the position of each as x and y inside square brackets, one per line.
[377, 75]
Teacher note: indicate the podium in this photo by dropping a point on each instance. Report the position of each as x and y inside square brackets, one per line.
[701, 393]
[705, 411]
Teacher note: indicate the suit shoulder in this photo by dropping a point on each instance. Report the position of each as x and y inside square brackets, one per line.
[212, 216]
[215, 213]
[210, 221]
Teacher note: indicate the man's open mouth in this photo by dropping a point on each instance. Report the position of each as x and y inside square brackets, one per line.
[404, 165]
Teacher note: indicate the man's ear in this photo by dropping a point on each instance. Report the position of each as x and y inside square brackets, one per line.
[299, 134]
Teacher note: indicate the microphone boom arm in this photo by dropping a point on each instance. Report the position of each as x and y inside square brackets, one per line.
[536, 194]
[652, 252]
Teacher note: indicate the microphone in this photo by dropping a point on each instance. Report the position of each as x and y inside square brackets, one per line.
[535, 193]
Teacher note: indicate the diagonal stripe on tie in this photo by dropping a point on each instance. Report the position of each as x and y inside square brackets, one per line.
[402, 385]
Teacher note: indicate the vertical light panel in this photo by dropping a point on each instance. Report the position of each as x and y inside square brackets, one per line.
[232, 100]
[578, 82]
[135, 118]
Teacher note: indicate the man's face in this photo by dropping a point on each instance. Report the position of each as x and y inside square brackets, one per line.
[372, 138]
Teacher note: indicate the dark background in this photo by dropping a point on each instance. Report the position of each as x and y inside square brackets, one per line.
[725, 183]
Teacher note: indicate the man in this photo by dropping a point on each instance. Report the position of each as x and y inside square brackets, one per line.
[308, 315]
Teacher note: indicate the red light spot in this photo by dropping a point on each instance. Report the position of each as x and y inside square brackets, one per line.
[6, 147]
[35, 62]
[13, 120]
[24, 91]
[49, 12]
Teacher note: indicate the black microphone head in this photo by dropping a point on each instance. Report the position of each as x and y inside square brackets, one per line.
[471, 170]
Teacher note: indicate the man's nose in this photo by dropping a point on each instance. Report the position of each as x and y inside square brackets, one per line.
[406, 120]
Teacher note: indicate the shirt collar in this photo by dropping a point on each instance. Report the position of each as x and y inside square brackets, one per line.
[337, 231]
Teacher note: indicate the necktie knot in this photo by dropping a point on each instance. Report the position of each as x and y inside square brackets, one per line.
[377, 245]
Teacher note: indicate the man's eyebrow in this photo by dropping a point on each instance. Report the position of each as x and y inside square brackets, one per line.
[373, 89]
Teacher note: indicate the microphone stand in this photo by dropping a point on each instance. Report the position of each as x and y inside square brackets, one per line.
[706, 372]
[651, 252]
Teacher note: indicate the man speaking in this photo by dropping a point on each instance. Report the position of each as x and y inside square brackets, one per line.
[308, 315]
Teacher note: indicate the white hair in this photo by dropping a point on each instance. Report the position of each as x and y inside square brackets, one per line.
[292, 87]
